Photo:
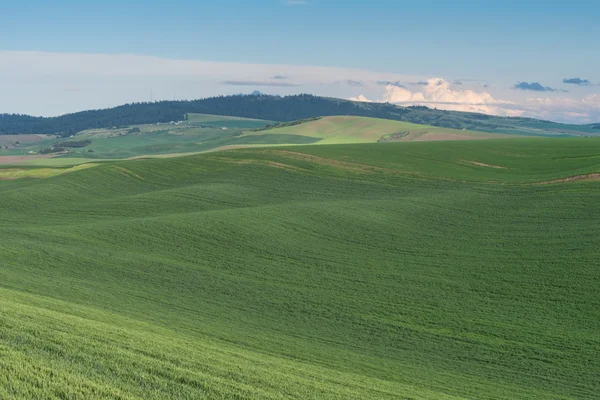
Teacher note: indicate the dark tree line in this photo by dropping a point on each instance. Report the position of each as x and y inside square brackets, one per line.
[273, 108]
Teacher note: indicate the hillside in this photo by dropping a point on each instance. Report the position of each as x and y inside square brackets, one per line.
[342, 129]
[423, 270]
[198, 133]
[282, 109]
[225, 121]
[202, 132]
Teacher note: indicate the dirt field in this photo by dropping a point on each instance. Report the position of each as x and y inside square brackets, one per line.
[23, 139]
[585, 177]
[5, 160]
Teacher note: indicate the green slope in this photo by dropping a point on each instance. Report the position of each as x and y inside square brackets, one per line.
[398, 270]
[344, 129]
[277, 108]
[201, 133]
[197, 134]
[223, 121]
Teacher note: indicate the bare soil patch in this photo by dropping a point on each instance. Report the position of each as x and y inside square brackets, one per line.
[18, 159]
[585, 177]
[23, 139]
[480, 164]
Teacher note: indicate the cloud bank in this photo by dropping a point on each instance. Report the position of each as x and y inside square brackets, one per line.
[584, 110]
[437, 93]
[48, 84]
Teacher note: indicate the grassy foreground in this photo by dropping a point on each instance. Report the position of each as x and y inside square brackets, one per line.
[441, 270]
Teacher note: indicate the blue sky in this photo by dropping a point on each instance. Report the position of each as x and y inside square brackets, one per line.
[487, 46]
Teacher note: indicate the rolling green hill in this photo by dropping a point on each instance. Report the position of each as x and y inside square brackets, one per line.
[429, 270]
[198, 133]
[344, 129]
[282, 109]
[201, 133]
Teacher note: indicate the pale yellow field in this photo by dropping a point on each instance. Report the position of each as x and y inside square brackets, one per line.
[348, 129]
[18, 173]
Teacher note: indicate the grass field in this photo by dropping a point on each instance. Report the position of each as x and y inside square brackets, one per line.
[14, 141]
[7, 173]
[426, 270]
[202, 133]
[197, 134]
[346, 129]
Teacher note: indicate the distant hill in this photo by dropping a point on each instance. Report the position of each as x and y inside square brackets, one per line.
[276, 108]
[204, 132]
[350, 129]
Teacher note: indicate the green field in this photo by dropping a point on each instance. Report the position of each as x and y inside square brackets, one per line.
[345, 129]
[202, 133]
[197, 134]
[430, 270]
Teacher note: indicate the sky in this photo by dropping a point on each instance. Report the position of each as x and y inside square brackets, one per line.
[515, 58]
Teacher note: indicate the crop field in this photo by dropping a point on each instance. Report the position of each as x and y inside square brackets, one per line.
[197, 134]
[7, 173]
[202, 133]
[13, 141]
[347, 129]
[418, 270]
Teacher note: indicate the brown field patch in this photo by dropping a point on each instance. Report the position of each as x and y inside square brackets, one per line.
[23, 139]
[480, 164]
[9, 174]
[585, 177]
[4, 160]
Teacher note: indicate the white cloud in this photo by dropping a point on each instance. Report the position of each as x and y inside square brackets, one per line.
[436, 92]
[360, 98]
[584, 110]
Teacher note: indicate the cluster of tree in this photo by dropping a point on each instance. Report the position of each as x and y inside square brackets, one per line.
[273, 108]
[69, 124]
[75, 143]
[53, 150]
